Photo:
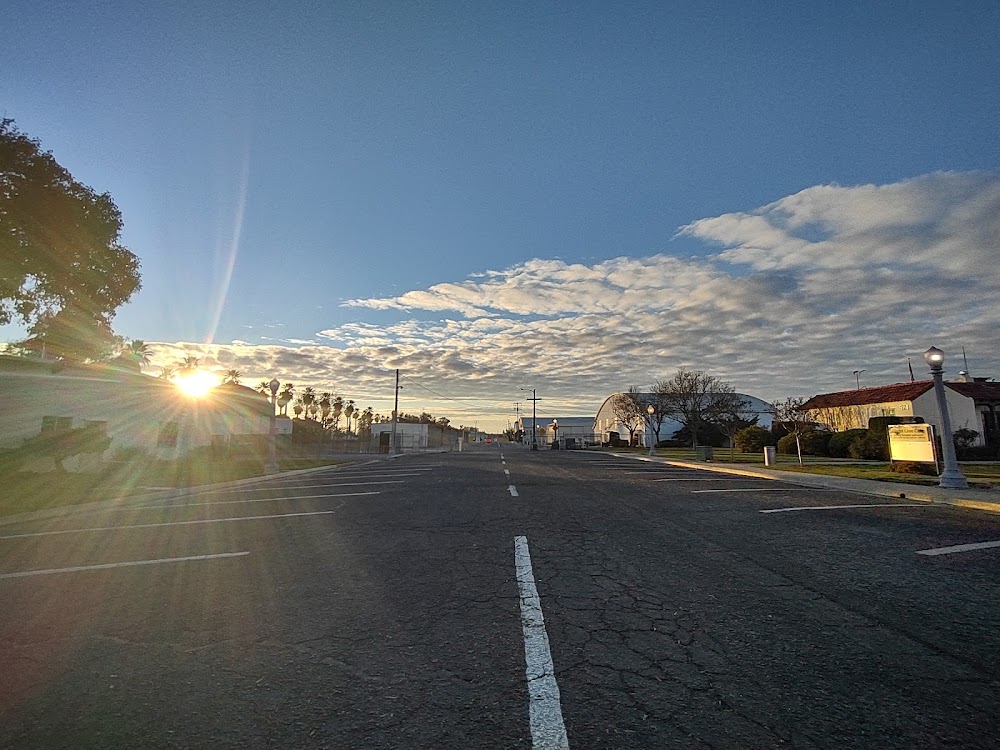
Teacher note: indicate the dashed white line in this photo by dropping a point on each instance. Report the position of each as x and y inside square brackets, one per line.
[548, 732]
[130, 563]
[958, 548]
[841, 507]
[507, 472]
[512, 490]
[166, 523]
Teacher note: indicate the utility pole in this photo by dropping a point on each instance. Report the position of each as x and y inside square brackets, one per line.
[395, 416]
[534, 426]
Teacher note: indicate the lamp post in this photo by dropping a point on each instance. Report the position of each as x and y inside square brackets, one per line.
[534, 426]
[271, 467]
[857, 377]
[555, 432]
[651, 410]
[951, 477]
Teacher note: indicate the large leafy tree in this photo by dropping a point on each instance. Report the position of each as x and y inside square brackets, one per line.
[63, 269]
[693, 398]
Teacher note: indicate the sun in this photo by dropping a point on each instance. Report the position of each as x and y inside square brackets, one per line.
[196, 384]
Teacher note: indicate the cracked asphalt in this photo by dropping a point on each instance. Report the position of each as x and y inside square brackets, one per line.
[676, 618]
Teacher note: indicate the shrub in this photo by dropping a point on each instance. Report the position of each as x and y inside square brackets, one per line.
[964, 438]
[840, 442]
[786, 446]
[816, 443]
[913, 467]
[752, 439]
[978, 453]
[873, 445]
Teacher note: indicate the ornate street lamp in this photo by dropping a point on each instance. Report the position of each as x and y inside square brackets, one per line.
[651, 410]
[951, 477]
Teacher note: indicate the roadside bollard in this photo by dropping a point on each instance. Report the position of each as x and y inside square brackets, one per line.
[769, 455]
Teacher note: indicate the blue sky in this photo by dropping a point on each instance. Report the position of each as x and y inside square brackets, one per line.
[360, 152]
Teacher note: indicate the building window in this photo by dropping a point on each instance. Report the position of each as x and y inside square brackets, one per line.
[168, 435]
[57, 424]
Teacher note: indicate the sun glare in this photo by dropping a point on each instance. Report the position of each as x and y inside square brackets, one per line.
[197, 383]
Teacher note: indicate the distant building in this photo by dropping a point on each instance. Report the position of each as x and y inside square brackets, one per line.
[971, 404]
[134, 410]
[607, 421]
[578, 429]
[415, 435]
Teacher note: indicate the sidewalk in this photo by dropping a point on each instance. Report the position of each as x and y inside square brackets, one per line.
[987, 500]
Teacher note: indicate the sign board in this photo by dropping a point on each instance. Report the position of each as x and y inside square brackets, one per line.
[911, 442]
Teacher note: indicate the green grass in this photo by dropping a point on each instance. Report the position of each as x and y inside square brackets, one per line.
[25, 491]
[980, 475]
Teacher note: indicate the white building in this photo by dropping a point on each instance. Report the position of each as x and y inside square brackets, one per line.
[579, 430]
[972, 405]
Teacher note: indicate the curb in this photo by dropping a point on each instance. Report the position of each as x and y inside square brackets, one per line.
[860, 486]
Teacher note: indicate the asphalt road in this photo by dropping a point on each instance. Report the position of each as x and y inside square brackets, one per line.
[386, 605]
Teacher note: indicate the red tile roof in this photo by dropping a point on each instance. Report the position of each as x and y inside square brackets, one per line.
[978, 391]
[880, 394]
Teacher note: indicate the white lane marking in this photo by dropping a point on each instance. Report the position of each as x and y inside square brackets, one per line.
[507, 472]
[250, 500]
[512, 490]
[503, 462]
[168, 523]
[548, 732]
[106, 566]
[762, 489]
[701, 479]
[958, 548]
[296, 487]
[841, 507]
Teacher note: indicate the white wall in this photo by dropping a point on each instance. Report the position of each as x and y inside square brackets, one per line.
[961, 410]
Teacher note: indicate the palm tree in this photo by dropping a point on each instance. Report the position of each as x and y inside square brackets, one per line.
[138, 352]
[286, 395]
[297, 406]
[231, 376]
[263, 387]
[308, 397]
[168, 373]
[190, 362]
[325, 400]
[338, 409]
[348, 412]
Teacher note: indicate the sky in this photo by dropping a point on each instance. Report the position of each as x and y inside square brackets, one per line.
[571, 197]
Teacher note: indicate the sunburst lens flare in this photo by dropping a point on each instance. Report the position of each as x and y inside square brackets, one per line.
[196, 384]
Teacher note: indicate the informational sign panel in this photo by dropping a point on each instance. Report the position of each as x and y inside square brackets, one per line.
[911, 442]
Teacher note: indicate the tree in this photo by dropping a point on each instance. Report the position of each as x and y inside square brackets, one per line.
[337, 409]
[232, 376]
[693, 397]
[790, 415]
[137, 351]
[168, 373]
[651, 418]
[190, 362]
[62, 267]
[734, 414]
[349, 412]
[285, 395]
[325, 402]
[628, 411]
[264, 387]
[308, 399]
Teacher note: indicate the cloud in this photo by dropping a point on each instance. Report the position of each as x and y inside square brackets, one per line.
[788, 299]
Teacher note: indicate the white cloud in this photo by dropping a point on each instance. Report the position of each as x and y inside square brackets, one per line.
[797, 295]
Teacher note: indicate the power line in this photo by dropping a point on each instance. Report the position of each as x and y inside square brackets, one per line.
[441, 395]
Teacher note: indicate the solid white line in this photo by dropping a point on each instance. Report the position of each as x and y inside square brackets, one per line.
[296, 487]
[512, 490]
[958, 548]
[106, 566]
[840, 507]
[167, 523]
[701, 479]
[760, 489]
[251, 500]
[548, 732]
